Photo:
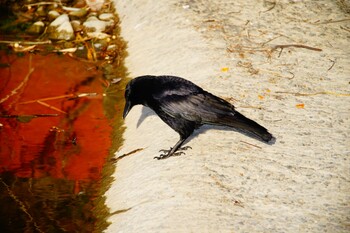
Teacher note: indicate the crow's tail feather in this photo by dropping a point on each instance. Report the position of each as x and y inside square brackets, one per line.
[241, 122]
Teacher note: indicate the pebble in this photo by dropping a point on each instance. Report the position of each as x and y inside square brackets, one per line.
[93, 24]
[52, 15]
[79, 13]
[61, 29]
[95, 5]
[106, 16]
[41, 11]
[98, 35]
[83, 19]
[76, 24]
[111, 47]
[36, 28]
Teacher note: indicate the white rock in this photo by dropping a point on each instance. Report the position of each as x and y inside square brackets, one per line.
[53, 14]
[61, 28]
[106, 16]
[36, 28]
[59, 20]
[111, 47]
[98, 35]
[76, 25]
[93, 24]
[95, 5]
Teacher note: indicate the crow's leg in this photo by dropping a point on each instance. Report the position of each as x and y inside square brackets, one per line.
[179, 149]
[172, 151]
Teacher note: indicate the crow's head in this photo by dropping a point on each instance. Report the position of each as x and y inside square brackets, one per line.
[137, 92]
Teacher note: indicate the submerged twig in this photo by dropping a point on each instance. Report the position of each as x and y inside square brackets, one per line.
[51, 107]
[31, 115]
[21, 205]
[73, 96]
[25, 42]
[25, 80]
[44, 3]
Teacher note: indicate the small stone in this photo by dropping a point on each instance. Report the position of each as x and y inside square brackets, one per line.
[41, 11]
[97, 45]
[106, 16]
[61, 29]
[52, 6]
[111, 47]
[79, 13]
[36, 28]
[93, 24]
[98, 35]
[52, 15]
[95, 5]
[77, 27]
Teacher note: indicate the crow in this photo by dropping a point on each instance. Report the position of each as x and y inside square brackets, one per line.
[184, 106]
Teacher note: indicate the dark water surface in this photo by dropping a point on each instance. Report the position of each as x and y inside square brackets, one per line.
[60, 124]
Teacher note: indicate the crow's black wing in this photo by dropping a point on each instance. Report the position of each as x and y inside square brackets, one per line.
[199, 106]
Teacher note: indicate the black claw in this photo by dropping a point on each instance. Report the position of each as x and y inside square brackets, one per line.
[165, 151]
[162, 156]
[185, 148]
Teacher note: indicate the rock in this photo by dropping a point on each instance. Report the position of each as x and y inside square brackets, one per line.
[52, 15]
[79, 13]
[41, 11]
[106, 16]
[95, 5]
[111, 47]
[98, 35]
[61, 29]
[76, 24]
[93, 24]
[36, 28]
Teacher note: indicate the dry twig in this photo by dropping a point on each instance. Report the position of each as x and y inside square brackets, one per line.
[251, 144]
[294, 45]
[331, 21]
[333, 63]
[114, 160]
[311, 94]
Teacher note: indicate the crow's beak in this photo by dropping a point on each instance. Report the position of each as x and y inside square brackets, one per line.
[126, 108]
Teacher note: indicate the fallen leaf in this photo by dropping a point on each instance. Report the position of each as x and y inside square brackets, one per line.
[225, 69]
[300, 105]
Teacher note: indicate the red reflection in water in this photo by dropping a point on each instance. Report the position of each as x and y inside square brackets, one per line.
[71, 145]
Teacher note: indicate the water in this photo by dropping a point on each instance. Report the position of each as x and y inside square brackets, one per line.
[60, 124]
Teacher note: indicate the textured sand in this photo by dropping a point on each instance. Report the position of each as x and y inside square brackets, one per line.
[299, 184]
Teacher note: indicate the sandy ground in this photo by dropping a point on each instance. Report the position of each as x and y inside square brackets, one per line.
[224, 184]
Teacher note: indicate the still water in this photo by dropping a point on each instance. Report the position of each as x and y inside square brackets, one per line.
[60, 122]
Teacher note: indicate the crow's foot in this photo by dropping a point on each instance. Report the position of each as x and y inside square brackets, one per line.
[181, 148]
[167, 153]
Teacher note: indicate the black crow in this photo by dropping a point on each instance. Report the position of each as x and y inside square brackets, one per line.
[184, 106]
